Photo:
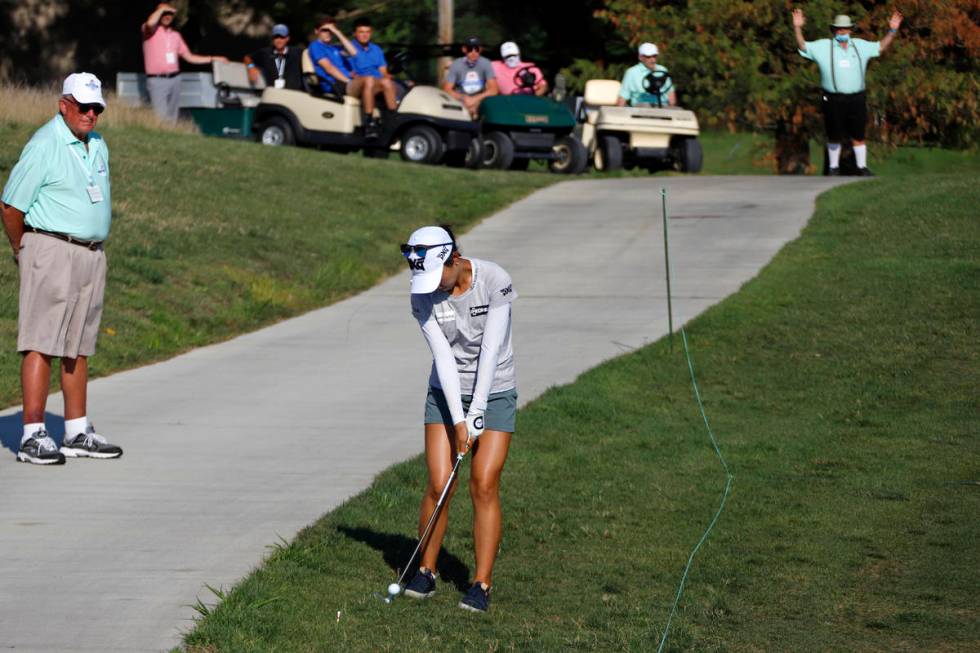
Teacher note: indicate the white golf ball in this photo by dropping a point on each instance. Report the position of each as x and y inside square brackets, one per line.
[394, 589]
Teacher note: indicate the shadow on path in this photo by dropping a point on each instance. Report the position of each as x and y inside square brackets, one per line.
[12, 428]
[395, 550]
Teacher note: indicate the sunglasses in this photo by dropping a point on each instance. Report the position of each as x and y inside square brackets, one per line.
[419, 250]
[85, 108]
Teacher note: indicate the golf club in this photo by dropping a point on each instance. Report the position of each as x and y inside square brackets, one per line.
[395, 588]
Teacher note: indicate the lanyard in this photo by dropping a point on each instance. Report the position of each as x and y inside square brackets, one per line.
[85, 171]
[281, 63]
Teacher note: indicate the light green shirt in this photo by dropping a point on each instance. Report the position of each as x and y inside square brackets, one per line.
[632, 87]
[49, 182]
[849, 66]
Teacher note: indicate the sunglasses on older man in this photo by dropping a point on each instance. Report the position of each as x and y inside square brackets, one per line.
[85, 108]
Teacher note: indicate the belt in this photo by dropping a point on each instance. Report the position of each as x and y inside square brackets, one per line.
[87, 244]
[164, 75]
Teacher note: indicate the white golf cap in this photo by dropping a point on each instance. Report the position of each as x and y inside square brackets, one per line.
[427, 269]
[648, 50]
[509, 48]
[84, 87]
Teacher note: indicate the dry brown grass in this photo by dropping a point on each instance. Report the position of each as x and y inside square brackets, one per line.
[28, 105]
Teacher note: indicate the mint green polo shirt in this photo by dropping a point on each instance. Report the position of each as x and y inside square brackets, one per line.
[632, 89]
[849, 66]
[49, 180]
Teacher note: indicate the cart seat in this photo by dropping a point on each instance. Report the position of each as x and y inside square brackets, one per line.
[599, 93]
[311, 81]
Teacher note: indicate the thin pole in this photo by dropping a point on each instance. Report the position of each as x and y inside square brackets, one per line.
[670, 308]
[445, 36]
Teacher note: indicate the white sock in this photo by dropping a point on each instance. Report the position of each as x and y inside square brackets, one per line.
[861, 155]
[31, 429]
[834, 150]
[75, 426]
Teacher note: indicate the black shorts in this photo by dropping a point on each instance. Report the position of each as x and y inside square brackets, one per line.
[845, 115]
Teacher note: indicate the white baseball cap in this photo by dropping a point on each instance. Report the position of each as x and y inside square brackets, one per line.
[509, 48]
[84, 87]
[428, 250]
[648, 50]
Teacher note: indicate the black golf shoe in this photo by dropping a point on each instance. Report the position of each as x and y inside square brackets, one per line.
[833, 172]
[864, 172]
[422, 586]
[40, 449]
[477, 599]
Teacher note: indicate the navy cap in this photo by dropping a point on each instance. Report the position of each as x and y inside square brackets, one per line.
[280, 30]
[472, 42]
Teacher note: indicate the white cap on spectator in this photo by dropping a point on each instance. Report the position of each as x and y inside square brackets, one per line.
[648, 50]
[84, 87]
[509, 48]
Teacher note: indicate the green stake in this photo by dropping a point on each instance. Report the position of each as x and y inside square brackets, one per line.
[670, 309]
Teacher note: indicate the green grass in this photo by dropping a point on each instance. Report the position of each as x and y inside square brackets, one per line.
[212, 238]
[842, 385]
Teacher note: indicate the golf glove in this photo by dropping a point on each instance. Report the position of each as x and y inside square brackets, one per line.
[474, 424]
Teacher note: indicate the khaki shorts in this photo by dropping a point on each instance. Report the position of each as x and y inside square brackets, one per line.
[61, 291]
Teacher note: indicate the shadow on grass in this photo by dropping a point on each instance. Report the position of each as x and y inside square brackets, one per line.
[12, 428]
[395, 550]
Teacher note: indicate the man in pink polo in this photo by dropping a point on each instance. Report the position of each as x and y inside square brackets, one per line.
[516, 77]
[162, 45]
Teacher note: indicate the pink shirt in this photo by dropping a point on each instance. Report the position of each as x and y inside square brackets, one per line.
[505, 77]
[162, 49]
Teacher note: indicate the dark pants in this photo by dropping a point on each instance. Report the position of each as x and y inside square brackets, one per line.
[845, 115]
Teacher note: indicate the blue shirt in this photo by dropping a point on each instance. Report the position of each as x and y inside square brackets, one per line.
[369, 60]
[846, 75]
[50, 179]
[332, 53]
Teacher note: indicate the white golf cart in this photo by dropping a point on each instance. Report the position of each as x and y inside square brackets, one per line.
[655, 138]
[429, 126]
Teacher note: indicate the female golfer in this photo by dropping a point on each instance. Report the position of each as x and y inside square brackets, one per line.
[463, 307]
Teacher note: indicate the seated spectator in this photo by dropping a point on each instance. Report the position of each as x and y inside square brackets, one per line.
[516, 77]
[280, 65]
[331, 66]
[371, 74]
[635, 88]
[471, 78]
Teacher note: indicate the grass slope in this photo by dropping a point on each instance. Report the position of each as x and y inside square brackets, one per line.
[212, 238]
[842, 386]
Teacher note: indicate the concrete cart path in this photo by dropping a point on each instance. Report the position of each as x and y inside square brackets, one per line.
[231, 446]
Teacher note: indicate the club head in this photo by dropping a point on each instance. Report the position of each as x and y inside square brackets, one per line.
[383, 599]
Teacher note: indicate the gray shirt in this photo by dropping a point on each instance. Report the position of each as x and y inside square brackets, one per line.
[462, 320]
[470, 78]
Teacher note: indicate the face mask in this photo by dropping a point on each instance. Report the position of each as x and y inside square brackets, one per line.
[843, 38]
[513, 61]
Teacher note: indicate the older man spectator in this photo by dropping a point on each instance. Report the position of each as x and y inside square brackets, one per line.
[647, 83]
[56, 213]
[471, 78]
[517, 77]
[279, 65]
[843, 62]
[162, 45]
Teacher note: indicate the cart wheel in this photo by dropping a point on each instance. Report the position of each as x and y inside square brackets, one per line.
[571, 157]
[608, 154]
[471, 159]
[689, 155]
[422, 144]
[277, 131]
[498, 151]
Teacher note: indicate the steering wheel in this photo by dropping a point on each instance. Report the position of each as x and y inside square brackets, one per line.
[655, 82]
[525, 79]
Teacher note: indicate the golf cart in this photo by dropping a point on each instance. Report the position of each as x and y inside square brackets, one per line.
[655, 138]
[518, 128]
[429, 126]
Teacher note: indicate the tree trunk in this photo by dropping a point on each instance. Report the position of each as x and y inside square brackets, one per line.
[792, 149]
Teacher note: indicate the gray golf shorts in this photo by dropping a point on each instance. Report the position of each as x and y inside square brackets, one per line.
[501, 412]
[61, 291]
